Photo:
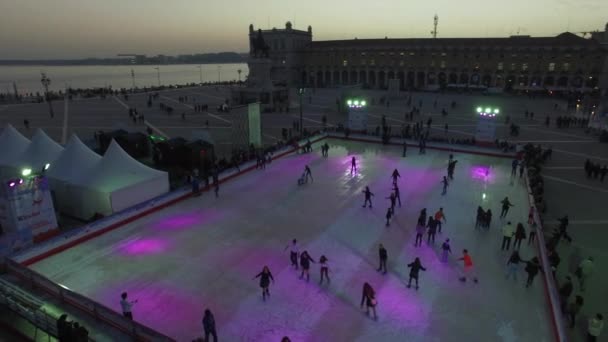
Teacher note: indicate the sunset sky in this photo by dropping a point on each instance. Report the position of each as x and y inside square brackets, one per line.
[33, 29]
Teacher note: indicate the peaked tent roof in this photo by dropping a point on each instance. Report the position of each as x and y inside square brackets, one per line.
[117, 170]
[12, 145]
[76, 159]
[40, 151]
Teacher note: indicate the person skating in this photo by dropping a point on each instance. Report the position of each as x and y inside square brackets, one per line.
[389, 214]
[217, 189]
[353, 165]
[127, 306]
[513, 265]
[420, 228]
[574, 308]
[564, 293]
[445, 185]
[265, 278]
[520, 235]
[415, 268]
[324, 269]
[369, 298]
[422, 217]
[507, 234]
[368, 197]
[514, 164]
[383, 257]
[393, 199]
[395, 176]
[305, 261]
[397, 194]
[451, 167]
[293, 252]
[532, 268]
[521, 169]
[439, 215]
[595, 327]
[445, 250]
[404, 148]
[584, 271]
[505, 207]
[432, 230]
[468, 267]
[308, 173]
[209, 326]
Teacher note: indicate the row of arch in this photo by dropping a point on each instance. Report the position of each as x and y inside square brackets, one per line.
[418, 79]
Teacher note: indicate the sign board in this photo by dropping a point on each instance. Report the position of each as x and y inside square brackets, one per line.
[486, 129]
[255, 126]
[357, 119]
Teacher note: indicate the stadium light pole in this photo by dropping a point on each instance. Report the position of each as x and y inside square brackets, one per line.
[45, 83]
[200, 70]
[158, 74]
[219, 74]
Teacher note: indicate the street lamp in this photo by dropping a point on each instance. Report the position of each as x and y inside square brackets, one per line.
[45, 83]
[158, 74]
[301, 93]
[133, 77]
[200, 70]
[239, 71]
[219, 73]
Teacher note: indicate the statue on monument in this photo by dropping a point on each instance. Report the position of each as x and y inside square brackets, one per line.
[259, 46]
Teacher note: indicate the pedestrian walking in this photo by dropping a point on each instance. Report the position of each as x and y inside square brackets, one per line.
[445, 185]
[368, 197]
[445, 250]
[293, 252]
[513, 265]
[584, 271]
[395, 176]
[432, 230]
[324, 269]
[532, 268]
[574, 308]
[209, 326]
[439, 216]
[127, 306]
[415, 268]
[520, 235]
[505, 207]
[353, 165]
[369, 298]
[305, 261]
[420, 228]
[468, 267]
[389, 214]
[265, 278]
[595, 327]
[383, 256]
[564, 293]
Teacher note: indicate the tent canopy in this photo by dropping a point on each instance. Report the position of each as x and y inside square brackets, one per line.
[76, 159]
[13, 144]
[40, 151]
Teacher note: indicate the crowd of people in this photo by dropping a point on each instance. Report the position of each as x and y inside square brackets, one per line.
[595, 170]
[71, 331]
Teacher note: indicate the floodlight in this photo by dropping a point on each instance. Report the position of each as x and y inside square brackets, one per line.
[488, 110]
[46, 166]
[356, 102]
[26, 172]
[478, 109]
[349, 102]
[496, 111]
[363, 103]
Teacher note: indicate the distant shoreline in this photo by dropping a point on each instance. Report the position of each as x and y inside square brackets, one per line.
[48, 63]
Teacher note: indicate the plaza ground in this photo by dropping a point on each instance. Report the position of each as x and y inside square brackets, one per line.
[204, 253]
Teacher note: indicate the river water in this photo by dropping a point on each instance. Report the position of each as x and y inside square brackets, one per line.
[28, 77]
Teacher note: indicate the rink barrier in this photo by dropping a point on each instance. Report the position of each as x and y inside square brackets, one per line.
[73, 238]
[551, 291]
[432, 146]
[137, 331]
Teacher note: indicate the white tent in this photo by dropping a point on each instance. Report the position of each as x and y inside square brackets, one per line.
[42, 150]
[115, 183]
[75, 160]
[12, 146]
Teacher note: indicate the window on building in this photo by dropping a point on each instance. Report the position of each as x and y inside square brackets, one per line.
[381, 53]
[524, 67]
[282, 44]
[500, 66]
[412, 53]
[345, 62]
[363, 62]
[401, 63]
[372, 62]
[551, 66]
[402, 54]
[391, 54]
[513, 55]
[443, 54]
[442, 65]
[566, 66]
[513, 66]
[432, 64]
[362, 53]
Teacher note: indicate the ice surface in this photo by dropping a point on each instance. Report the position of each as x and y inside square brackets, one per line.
[204, 253]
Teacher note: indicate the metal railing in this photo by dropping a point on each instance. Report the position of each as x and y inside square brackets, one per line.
[137, 331]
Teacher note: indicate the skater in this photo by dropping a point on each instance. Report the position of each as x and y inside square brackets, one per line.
[420, 227]
[520, 235]
[353, 165]
[532, 235]
[404, 148]
[468, 266]
[126, 306]
[305, 261]
[217, 189]
[324, 269]
[445, 250]
[209, 326]
[382, 253]
[415, 268]
[564, 293]
[451, 167]
[395, 175]
[265, 278]
[595, 327]
[369, 298]
[532, 268]
[513, 265]
[507, 234]
[514, 164]
[584, 271]
[393, 199]
[389, 214]
[368, 197]
[26, 123]
[521, 169]
[574, 308]
[505, 207]
[432, 226]
[439, 215]
[293, 253]
[445, 185]
[397, 194]
[307, 173]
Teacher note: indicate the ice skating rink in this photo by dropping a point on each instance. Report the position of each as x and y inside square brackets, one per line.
[204, 252]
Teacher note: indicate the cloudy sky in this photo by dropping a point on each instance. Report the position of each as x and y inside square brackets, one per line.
[32, 29]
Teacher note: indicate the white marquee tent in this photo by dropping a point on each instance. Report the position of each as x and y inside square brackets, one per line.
[114, 183]
[12, 146]
[42, 150]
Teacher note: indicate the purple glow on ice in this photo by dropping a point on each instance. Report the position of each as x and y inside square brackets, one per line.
[188, 220]
[144, 247]
[483, 173]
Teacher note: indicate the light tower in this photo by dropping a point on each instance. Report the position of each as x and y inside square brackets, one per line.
[435, 22]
